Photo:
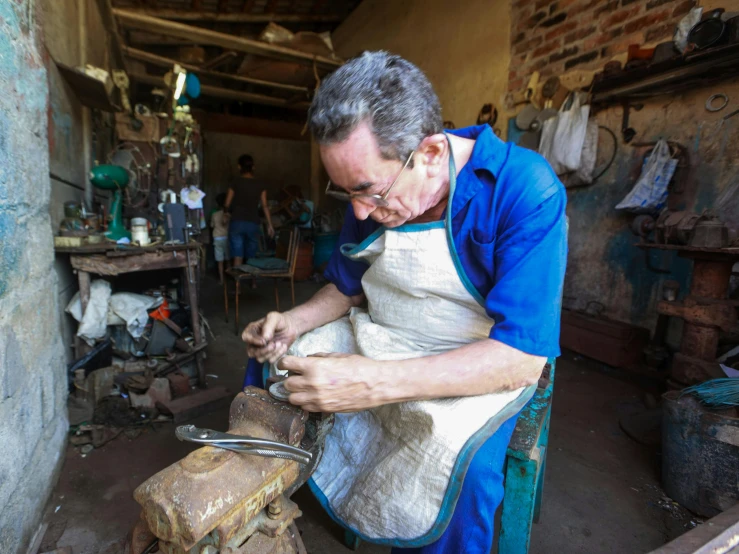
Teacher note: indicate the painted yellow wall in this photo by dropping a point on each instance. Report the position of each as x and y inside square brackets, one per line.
[463, 47]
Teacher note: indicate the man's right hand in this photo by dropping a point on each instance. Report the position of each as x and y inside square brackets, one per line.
[268, 339]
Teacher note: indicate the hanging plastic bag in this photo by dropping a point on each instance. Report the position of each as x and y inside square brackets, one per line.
[650, 191]
[584, 175]
[562, 137]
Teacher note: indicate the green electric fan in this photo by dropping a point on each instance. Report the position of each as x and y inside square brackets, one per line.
[115, 178]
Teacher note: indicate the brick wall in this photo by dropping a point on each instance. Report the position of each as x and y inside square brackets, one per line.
[555, 36]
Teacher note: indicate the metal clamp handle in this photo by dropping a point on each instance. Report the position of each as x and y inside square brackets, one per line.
[242, 444]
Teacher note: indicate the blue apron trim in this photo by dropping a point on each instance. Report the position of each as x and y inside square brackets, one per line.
[450, 237]
[350, 249]
[417, 227]
[456, 480]
[265, 374]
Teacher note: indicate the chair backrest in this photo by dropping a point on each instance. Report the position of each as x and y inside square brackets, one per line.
[292, 250]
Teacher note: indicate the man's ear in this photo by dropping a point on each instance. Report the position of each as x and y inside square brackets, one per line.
[432, 152]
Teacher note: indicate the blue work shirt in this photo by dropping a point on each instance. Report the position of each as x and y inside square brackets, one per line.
[510, 232]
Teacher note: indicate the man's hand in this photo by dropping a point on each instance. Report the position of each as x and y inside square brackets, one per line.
[271, 231]
[334, 382]
[269, 338]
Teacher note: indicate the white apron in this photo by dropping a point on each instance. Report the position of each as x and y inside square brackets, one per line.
[393, 474]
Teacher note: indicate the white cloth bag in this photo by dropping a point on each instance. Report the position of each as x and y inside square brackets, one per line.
[650, 191]
[562, 137]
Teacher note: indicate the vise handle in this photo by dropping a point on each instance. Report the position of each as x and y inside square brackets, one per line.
[242, 444]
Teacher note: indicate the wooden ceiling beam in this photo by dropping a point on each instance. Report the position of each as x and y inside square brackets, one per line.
[161, 61]
[227, 94]
[237, 17]
[220, 59]
[202, 36]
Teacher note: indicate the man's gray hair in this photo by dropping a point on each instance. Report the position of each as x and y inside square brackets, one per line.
[391, 94]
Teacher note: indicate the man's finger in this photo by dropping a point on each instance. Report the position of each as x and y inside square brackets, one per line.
[252, 333]
[271, 322]
[294, 364]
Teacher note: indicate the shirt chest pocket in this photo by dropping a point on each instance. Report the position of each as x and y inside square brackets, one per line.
[482, 256]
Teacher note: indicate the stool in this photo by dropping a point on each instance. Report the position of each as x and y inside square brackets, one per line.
[524, 471]
[526, 460]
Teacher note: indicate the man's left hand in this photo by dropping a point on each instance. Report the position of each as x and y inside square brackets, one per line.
[333, 382]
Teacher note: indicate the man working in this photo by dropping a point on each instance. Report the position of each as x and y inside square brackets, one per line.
[457, 243]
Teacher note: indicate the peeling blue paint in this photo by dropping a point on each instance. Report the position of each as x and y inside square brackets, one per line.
[9, 248]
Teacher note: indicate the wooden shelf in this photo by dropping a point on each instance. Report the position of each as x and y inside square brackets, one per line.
[697, 69]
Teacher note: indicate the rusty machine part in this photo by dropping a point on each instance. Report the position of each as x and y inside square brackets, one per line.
[690, 228]
[219, 501]
[706, 310]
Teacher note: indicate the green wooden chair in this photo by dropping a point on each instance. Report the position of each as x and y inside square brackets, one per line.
[524, 471]
[526, 460]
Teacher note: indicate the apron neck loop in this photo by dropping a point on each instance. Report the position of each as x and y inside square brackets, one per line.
[452, 180]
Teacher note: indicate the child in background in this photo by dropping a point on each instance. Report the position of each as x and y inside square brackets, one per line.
[219, 223]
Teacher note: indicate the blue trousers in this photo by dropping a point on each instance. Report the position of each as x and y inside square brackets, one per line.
[243, 239]
[472, 526]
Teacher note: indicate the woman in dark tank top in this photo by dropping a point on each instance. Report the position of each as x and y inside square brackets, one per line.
[244, 195]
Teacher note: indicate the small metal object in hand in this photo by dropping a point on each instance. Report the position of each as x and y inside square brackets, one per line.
[279, 392]
[241, 444]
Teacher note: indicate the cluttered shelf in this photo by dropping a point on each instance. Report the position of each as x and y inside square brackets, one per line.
[661, 76]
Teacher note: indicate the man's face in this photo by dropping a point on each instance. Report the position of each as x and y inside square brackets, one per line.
[356, 165]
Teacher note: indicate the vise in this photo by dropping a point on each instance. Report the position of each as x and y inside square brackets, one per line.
[234, 497]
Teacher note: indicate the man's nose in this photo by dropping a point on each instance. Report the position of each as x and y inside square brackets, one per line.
[361, 210]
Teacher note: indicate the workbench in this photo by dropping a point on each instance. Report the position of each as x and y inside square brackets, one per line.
[114, 259]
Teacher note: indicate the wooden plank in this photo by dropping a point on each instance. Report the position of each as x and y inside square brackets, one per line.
[239, 17]
[89, 91]
[101, 264]
[220, 59]
[198, 403]
[113, 249]
[228, 94]
[84, 280]
[142, 55]
[206, 37]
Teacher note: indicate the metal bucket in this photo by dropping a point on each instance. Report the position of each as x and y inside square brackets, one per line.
[700, 455]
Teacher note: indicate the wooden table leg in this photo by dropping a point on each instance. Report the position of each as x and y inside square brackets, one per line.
[83, 277]
[189, 274]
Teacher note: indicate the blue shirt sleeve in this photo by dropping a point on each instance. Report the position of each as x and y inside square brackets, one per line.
[530, 259]
[347, 274]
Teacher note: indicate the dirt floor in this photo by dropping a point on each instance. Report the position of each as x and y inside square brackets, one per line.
[601, 491]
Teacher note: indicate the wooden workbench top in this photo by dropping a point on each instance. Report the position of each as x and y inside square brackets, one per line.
[113, 249]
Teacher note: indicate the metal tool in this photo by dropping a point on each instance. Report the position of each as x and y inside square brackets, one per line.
[279, 392]
[186, 232]
[242, 444]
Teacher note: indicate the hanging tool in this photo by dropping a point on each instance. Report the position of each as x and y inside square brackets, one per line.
[242, 444]
[627, 132]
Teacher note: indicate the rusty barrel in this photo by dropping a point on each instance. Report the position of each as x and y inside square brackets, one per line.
[700, 454]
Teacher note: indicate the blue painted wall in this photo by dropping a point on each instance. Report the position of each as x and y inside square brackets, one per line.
[604, 265]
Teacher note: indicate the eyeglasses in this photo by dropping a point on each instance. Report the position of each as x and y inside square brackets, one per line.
[377, 200]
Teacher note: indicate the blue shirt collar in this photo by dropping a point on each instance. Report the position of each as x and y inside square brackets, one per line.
[489, 154]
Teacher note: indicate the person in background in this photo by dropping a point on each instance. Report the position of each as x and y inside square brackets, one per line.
[219, 223]
[242, 201]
